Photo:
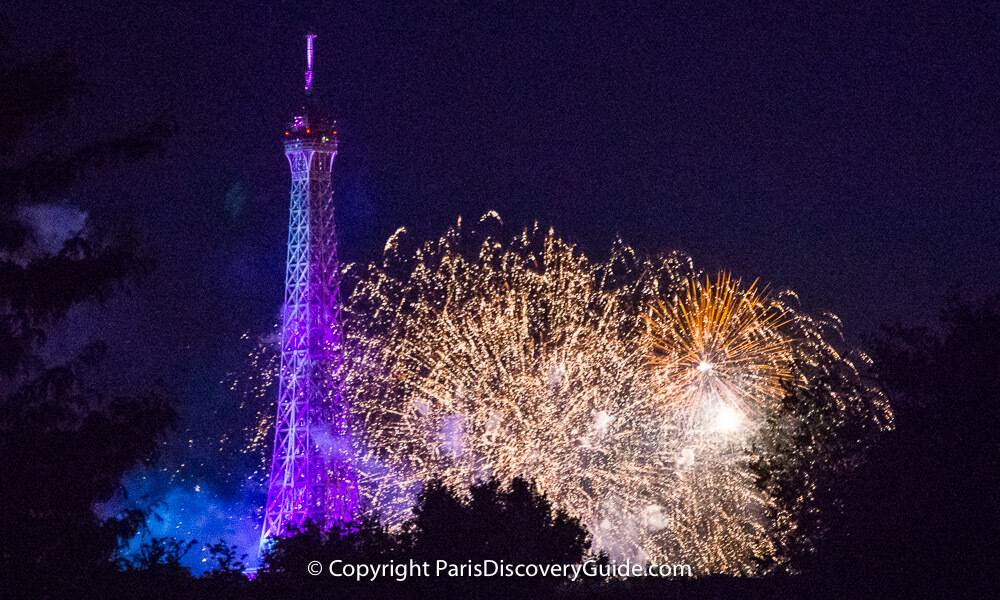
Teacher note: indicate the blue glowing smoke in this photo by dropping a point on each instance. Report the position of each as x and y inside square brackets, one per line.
[194, 511]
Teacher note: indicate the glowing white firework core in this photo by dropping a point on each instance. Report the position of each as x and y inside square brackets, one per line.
[728, 419]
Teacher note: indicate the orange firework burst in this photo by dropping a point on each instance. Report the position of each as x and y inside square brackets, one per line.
[721, 350]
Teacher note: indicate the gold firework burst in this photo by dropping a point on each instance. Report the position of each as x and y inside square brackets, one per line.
[525, 358]
[475, 356]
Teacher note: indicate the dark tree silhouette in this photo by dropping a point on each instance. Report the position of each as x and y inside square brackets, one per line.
[155, 571]
[38, 289]
[515, 525]
[226, 578]
[229, 561]
[284, 570]
[65, 441]
[804, 453]
[923, 517]
[160, 555]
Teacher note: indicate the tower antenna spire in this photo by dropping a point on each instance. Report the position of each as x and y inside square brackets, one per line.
[309, 61]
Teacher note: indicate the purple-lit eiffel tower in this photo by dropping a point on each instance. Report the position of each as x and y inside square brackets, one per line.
[311, 472]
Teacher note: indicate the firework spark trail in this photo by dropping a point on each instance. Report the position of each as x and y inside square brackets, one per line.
[626, 388]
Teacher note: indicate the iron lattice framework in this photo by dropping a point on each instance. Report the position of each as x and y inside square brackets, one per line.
[311, 472]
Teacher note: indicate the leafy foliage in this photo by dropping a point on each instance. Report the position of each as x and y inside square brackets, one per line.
[515, 525]
[925, 510]
[65, 439]
[802, 456]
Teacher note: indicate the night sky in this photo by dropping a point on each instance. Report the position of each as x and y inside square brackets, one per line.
[852, 154]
